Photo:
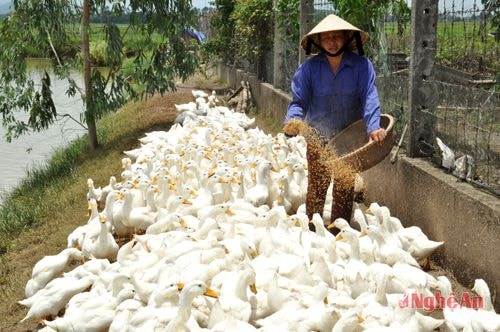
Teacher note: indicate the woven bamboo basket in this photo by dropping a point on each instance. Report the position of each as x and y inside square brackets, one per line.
[355, 147]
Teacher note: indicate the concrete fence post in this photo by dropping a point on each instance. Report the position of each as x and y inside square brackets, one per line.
[306, 23]
[422, 97]
[279, 50]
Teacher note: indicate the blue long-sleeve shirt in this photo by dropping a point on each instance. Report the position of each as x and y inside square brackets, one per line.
[330, 102]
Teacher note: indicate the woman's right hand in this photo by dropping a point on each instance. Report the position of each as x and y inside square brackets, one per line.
[378, 135]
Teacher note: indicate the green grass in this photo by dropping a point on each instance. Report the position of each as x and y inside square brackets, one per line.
[459, 44]
[132, 39]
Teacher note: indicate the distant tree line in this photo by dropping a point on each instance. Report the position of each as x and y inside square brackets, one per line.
[107, 16]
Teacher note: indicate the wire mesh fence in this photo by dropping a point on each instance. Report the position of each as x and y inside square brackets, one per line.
[467, 37]
[468, 121]
[322, 9]
[467, 116]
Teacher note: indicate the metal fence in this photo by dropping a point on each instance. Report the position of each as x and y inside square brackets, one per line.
[467, 115]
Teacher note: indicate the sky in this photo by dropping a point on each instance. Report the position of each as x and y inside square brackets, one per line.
[468, 4]
[198, 3]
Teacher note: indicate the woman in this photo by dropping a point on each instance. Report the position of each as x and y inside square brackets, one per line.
[331, 90]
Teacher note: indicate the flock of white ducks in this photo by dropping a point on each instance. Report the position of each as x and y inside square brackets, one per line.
[213, 236]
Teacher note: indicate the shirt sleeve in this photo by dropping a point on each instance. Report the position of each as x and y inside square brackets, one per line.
[301, 94]
[370, 102]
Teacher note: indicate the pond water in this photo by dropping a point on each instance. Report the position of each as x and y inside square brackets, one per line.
[31, 151]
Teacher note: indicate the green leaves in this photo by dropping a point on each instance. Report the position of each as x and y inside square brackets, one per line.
[114, 43]
[253, 21]
[43, 111]
[222, 43]
[365, 14]
[161, 55]
[24, 97]
[289, 17]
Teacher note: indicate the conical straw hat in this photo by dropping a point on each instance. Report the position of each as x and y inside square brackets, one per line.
[331, 23]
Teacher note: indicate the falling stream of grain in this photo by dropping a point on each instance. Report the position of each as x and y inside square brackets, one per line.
[343, 173]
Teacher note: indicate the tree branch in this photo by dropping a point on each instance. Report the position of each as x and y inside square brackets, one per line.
[60, 64]
[72, 118]
[82, 93]
[52, 47]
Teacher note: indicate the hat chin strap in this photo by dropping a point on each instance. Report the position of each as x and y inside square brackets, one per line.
[344, 47]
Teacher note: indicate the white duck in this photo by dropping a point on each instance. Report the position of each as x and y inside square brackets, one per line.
[48, 301]
[164, 223]
[217, 212]
[163, 303]
[284, 195]
[212, 99]
[305, 311]
[259, 194]
[199, 94]
[233, 299]
[416, 242]
[349, 321]
[127, 172]
[199, 199]
[109, 205]
[413, 239]
[457, 318]
[104, 246]
[164, 294]
[486, 319]
[93, 226]
[95, 314]
[121, 210]
[319, 268]
[389, 253]
[124, 313]
[188, 293]
[93, 192]
[270, 297]
[93, 266]
[383, 217]
[373, 306]
[299, 183]
[112, 185]
[448, 155]
[136, 217]
[356, 272]
[190, 106]
[50, 267]
[366, 247]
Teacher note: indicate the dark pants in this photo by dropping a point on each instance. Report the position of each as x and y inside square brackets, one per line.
[319, 178]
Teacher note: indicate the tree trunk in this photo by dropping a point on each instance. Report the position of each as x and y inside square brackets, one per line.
[89, 104]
